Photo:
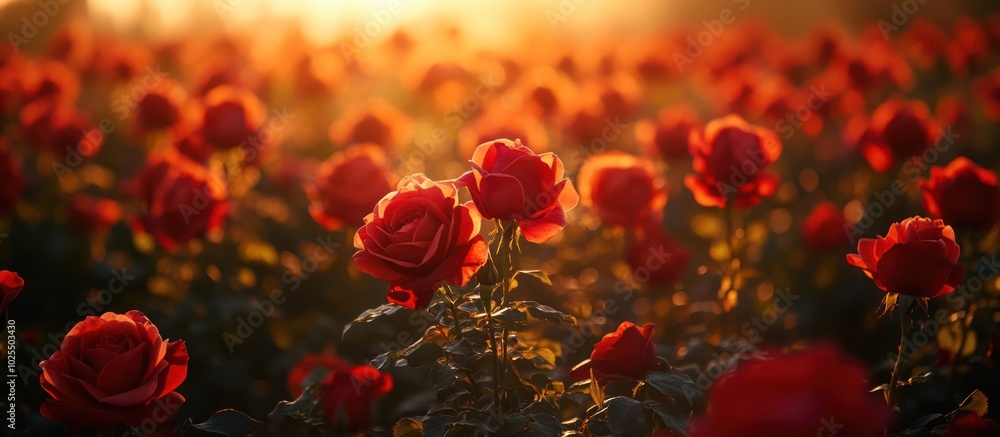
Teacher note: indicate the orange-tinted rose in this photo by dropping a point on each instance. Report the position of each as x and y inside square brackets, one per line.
[93, 215]
[820, 384]
[180, 200]
[348, 185]
[823, 228]
[300, 375]
[10, 287]
[113, 369]
[918, 257]
[510, 182]
[232, 116]
[349, 395]
[655, 257]
[160, 108]
[11, 178]
[898, 130]
[667, 135]
[61, 129]
[731, 163]
[418, 236]
[623, 190]
[963, 194]
[376, 122]
[627, 353]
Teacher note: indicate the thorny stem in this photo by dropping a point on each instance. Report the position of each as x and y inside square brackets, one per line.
[445, 291]
[504, 235]
[904, 324]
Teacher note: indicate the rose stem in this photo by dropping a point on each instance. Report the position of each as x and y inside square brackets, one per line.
[904, 324]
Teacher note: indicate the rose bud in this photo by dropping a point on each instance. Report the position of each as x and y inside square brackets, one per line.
[180, 200]
[10, 287]
[418, 236]
[114, 369]
[305, 372]
[348, 185]
[918, 257]
[825, 387]
[621, 189]
[823, 228]
[628, 353]
[970, 424]
[11, 178]
[92, 215]
[656, 251]
[667, 135]
[510, 182]
[898, 130]
[232, 116]
[349, 395]
[731, 162]
[962, 194]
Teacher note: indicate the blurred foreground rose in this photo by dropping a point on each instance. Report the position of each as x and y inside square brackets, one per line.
[731, 160]
[419, 236]
[793, 395]
[349, 184]
[11, 285]
[963, 194]
[510, 182]
[623, 190]
[628, 353]
[918, 257]
[114, 369]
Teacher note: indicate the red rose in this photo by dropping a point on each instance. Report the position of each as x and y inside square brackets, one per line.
[656, 251]
[232, 116]
[623, 190]
[299, 376]
[731, 160]
[349, 394]
[510, 182]
[418, 236]
[793, 395]
[376, 122]
[160, 108]
[348, 185]
[823, 229]
[667, 135]
[628, 353]
[180, 200]
[113, 369]
[10, 287]
[11, 178]
[61, 129]
[969, 424]
[92, 215]
[962, 194]
[918, 257]
[898, 130]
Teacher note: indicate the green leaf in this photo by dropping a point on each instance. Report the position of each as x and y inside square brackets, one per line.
[543, 312]
[540, 275]
[674, 423]
[420, 354]
[373, 315]
[596, 392]
[675, 385]
[545, 425]
[408, 427]
[623, 415]
[230, 423]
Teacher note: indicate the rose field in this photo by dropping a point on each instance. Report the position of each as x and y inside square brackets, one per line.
[568, 218]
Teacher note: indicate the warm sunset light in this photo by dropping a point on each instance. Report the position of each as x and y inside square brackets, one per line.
[550, 218]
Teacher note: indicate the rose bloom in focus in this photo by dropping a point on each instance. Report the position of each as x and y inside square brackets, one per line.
[621, 189]
[731, 160]
[348, 185]
[918, 257]
[418, 236]
[510, 182]
[793, 395]
[963, 194]
[113, 369]
[627, 353]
